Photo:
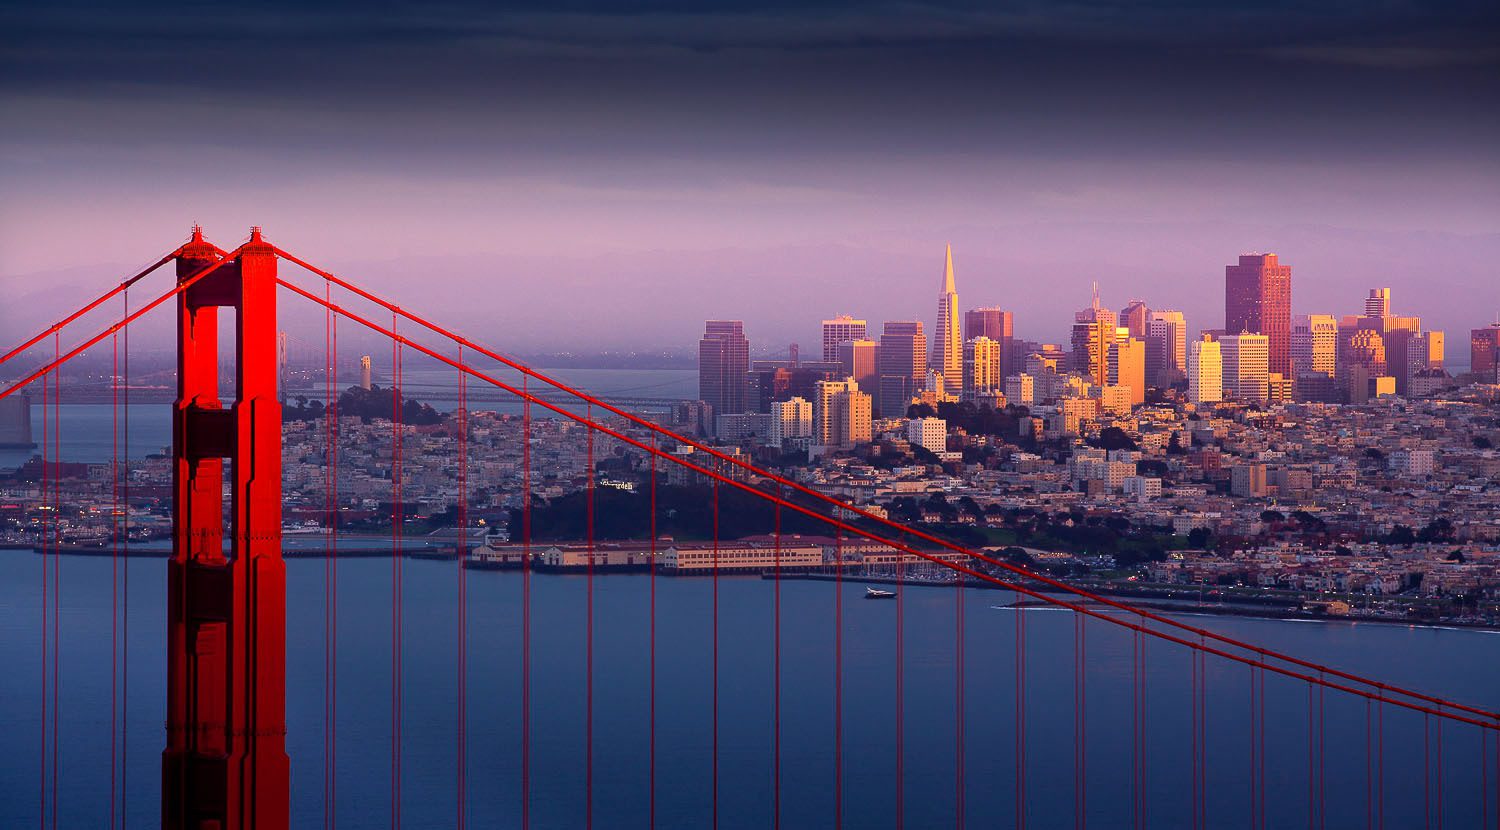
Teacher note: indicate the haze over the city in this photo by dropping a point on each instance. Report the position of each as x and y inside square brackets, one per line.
[551, 174]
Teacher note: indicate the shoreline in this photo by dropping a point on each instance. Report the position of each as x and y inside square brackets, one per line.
[1271, 610]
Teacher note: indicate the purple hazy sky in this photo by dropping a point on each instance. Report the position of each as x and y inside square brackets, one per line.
[586, 175]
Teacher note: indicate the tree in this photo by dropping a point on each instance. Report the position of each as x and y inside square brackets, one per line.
[1437, 530]
[1174, 445]
[1482, 443]
[1113, 438]
[1200, 538]
[1271, 516]
[1402, 535]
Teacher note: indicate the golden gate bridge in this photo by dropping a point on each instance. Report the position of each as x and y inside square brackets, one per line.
[224, 759]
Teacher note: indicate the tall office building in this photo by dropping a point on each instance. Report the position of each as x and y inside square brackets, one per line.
[860, 359]
[998, 325]
[841, 329]
[1166, 347]
[1378, 303]
[1258, 300]
[790, 419]
[903, 365]
[1135, 316]
[1092, 340]
[981, 366]
[841, 414]
[947, 344]
[723, 362]
[1484, 353]
[1245, 373]
[1127, 364]
[1205, 370]
[1367, 348]
[1315, 339]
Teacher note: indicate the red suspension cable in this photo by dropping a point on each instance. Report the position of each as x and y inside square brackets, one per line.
[57, 327]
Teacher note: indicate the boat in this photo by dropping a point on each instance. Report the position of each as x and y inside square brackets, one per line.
[876, 593]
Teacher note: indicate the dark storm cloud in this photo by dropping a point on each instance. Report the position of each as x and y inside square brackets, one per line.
[1184, 78]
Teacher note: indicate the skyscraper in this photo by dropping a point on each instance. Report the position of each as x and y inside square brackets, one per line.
[947, 345]
[1315, 340]
[1127, 364]
[1367, 348]
[981, 366]
[841, 329]
[1205, 362]
[1378, 303]
[723, 361]
[790, 419]
[1134, 317]
[1166, 347]
[1245, 359]
[1092, 340]
[841, 413]
[903, 364]
[1258, 300]
[1484, 353]
[859, 359]
[998, 325]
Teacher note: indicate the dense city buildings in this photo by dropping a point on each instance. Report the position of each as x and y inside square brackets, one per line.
[723, 362]
[947, 343]
[1258, 300]
[903, 365]
[839, 330]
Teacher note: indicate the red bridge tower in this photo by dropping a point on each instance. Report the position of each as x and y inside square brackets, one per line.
[225, 766]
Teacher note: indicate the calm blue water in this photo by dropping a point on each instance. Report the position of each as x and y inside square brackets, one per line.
[1462, 664]
[88, 429]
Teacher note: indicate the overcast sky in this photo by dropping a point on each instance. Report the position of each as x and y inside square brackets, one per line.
[593, 174]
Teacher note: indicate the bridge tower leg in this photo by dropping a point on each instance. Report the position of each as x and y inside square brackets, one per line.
[225, 765]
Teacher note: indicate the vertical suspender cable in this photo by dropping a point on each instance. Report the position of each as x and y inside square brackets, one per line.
[1080, 723]
[525, 606]
[651, 754]
[776, 673]
[900, 689]
[114, 566]
[588, 764]
[397, 520]
[461, 748]
[714, 494]
[125, 580]
[331, 417]
[838, 678]
[56, 566]
[960, 789]
[44, 539]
